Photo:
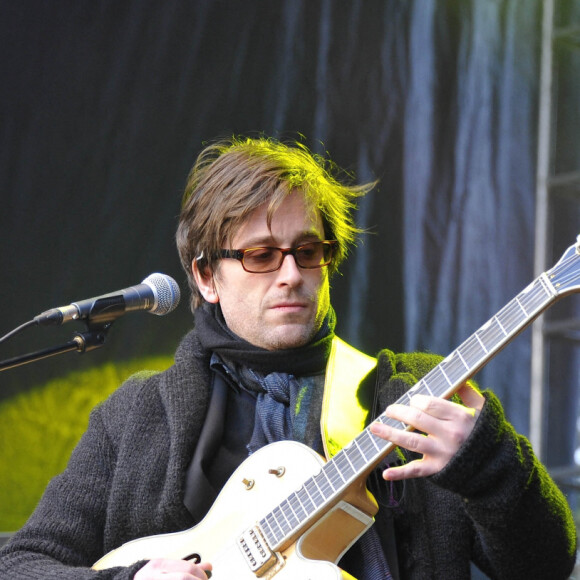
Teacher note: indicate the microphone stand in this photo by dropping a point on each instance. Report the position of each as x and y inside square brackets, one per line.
[82, 342]
[100, 319]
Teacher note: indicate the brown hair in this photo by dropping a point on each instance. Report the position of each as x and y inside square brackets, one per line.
[230, 179]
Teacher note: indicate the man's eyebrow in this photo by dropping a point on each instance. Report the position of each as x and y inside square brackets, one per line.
[268, 241]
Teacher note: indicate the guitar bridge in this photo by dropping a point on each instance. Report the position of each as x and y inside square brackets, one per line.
[256, 551]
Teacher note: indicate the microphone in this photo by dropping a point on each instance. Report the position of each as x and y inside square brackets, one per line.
[158, 294]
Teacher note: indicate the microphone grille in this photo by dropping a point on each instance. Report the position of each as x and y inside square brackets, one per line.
[166, 292]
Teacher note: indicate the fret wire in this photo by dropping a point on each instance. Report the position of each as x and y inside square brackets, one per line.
[511, 317]
[501, 327]
[514, 314]
[532, 297]
[372, 442]
[389, 421]
[330, 475]
[295, 505]
[455, 364]
[364, 444]
[467, 367]
[416, 389]
[438, 381]
[265, 527]
[273, 526]
[472, 351]
[542, 285]
[489, 334]
[373, 439]
[354, 456]
[519, 302]
[385, 421]
[361, 440]
[274, 536]
[289, 514]
[426, 385]
[323, 484]
[343, 464]
[333, 474]
[539, 297]
[280, 517]
[454, 367]
[394, 423]
[481, 342]
[298, 507]
[445, 375]
[497, 334]
[323, 488]
[487, 338]
[305, 500]
[314, 493]
[518, 313]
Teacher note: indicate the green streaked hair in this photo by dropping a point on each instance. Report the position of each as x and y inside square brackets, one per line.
[232, 178]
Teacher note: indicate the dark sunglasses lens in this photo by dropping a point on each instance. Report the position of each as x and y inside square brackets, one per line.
[261, 259]
[314, 255]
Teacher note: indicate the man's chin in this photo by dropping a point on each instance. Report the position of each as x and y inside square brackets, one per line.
[290, 336]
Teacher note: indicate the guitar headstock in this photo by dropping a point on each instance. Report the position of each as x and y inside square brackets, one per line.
[565, 274]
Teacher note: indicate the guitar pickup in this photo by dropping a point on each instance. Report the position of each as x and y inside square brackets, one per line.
[256, 551]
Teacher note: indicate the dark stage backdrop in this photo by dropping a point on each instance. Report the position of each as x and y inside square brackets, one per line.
[105, 105]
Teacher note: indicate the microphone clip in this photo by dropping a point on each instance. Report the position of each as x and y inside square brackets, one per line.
[102, 310]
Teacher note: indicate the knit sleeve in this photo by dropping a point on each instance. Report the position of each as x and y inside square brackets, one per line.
[524, 526]
[64, 535]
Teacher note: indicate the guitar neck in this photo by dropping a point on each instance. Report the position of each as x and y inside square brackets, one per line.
[485, 343]
[366, 451]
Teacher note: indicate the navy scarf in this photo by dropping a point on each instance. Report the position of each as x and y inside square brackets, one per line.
[272, 374]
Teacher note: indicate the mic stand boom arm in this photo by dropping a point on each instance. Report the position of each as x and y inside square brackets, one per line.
[100, 319]
[82, 342]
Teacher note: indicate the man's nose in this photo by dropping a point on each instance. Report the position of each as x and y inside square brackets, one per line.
[289, 272]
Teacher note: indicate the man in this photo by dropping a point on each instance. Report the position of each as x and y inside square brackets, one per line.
[262, 228]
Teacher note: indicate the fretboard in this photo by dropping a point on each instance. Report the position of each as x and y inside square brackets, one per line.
[366, 450]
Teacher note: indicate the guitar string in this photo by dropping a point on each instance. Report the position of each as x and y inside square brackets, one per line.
[329, 480]
[367, 447]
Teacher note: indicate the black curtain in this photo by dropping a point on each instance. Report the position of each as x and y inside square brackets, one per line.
[105, 105]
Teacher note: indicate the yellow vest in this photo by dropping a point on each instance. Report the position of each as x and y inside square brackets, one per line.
[343, 417]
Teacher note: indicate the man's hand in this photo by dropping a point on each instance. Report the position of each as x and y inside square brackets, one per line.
[166, 569]
[446, 426]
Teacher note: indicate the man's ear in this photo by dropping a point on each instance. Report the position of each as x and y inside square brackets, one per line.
[205, 282]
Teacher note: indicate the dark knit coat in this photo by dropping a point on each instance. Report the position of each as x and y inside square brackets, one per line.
[493, 504]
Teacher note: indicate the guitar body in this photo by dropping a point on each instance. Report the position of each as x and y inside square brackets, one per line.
[286, 513]
[257, 486]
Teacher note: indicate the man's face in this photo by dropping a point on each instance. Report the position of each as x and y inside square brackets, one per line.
[276, 310]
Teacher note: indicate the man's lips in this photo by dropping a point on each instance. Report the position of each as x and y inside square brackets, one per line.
[289, 306]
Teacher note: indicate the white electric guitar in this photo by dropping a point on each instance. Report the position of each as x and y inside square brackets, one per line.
[286, 513]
